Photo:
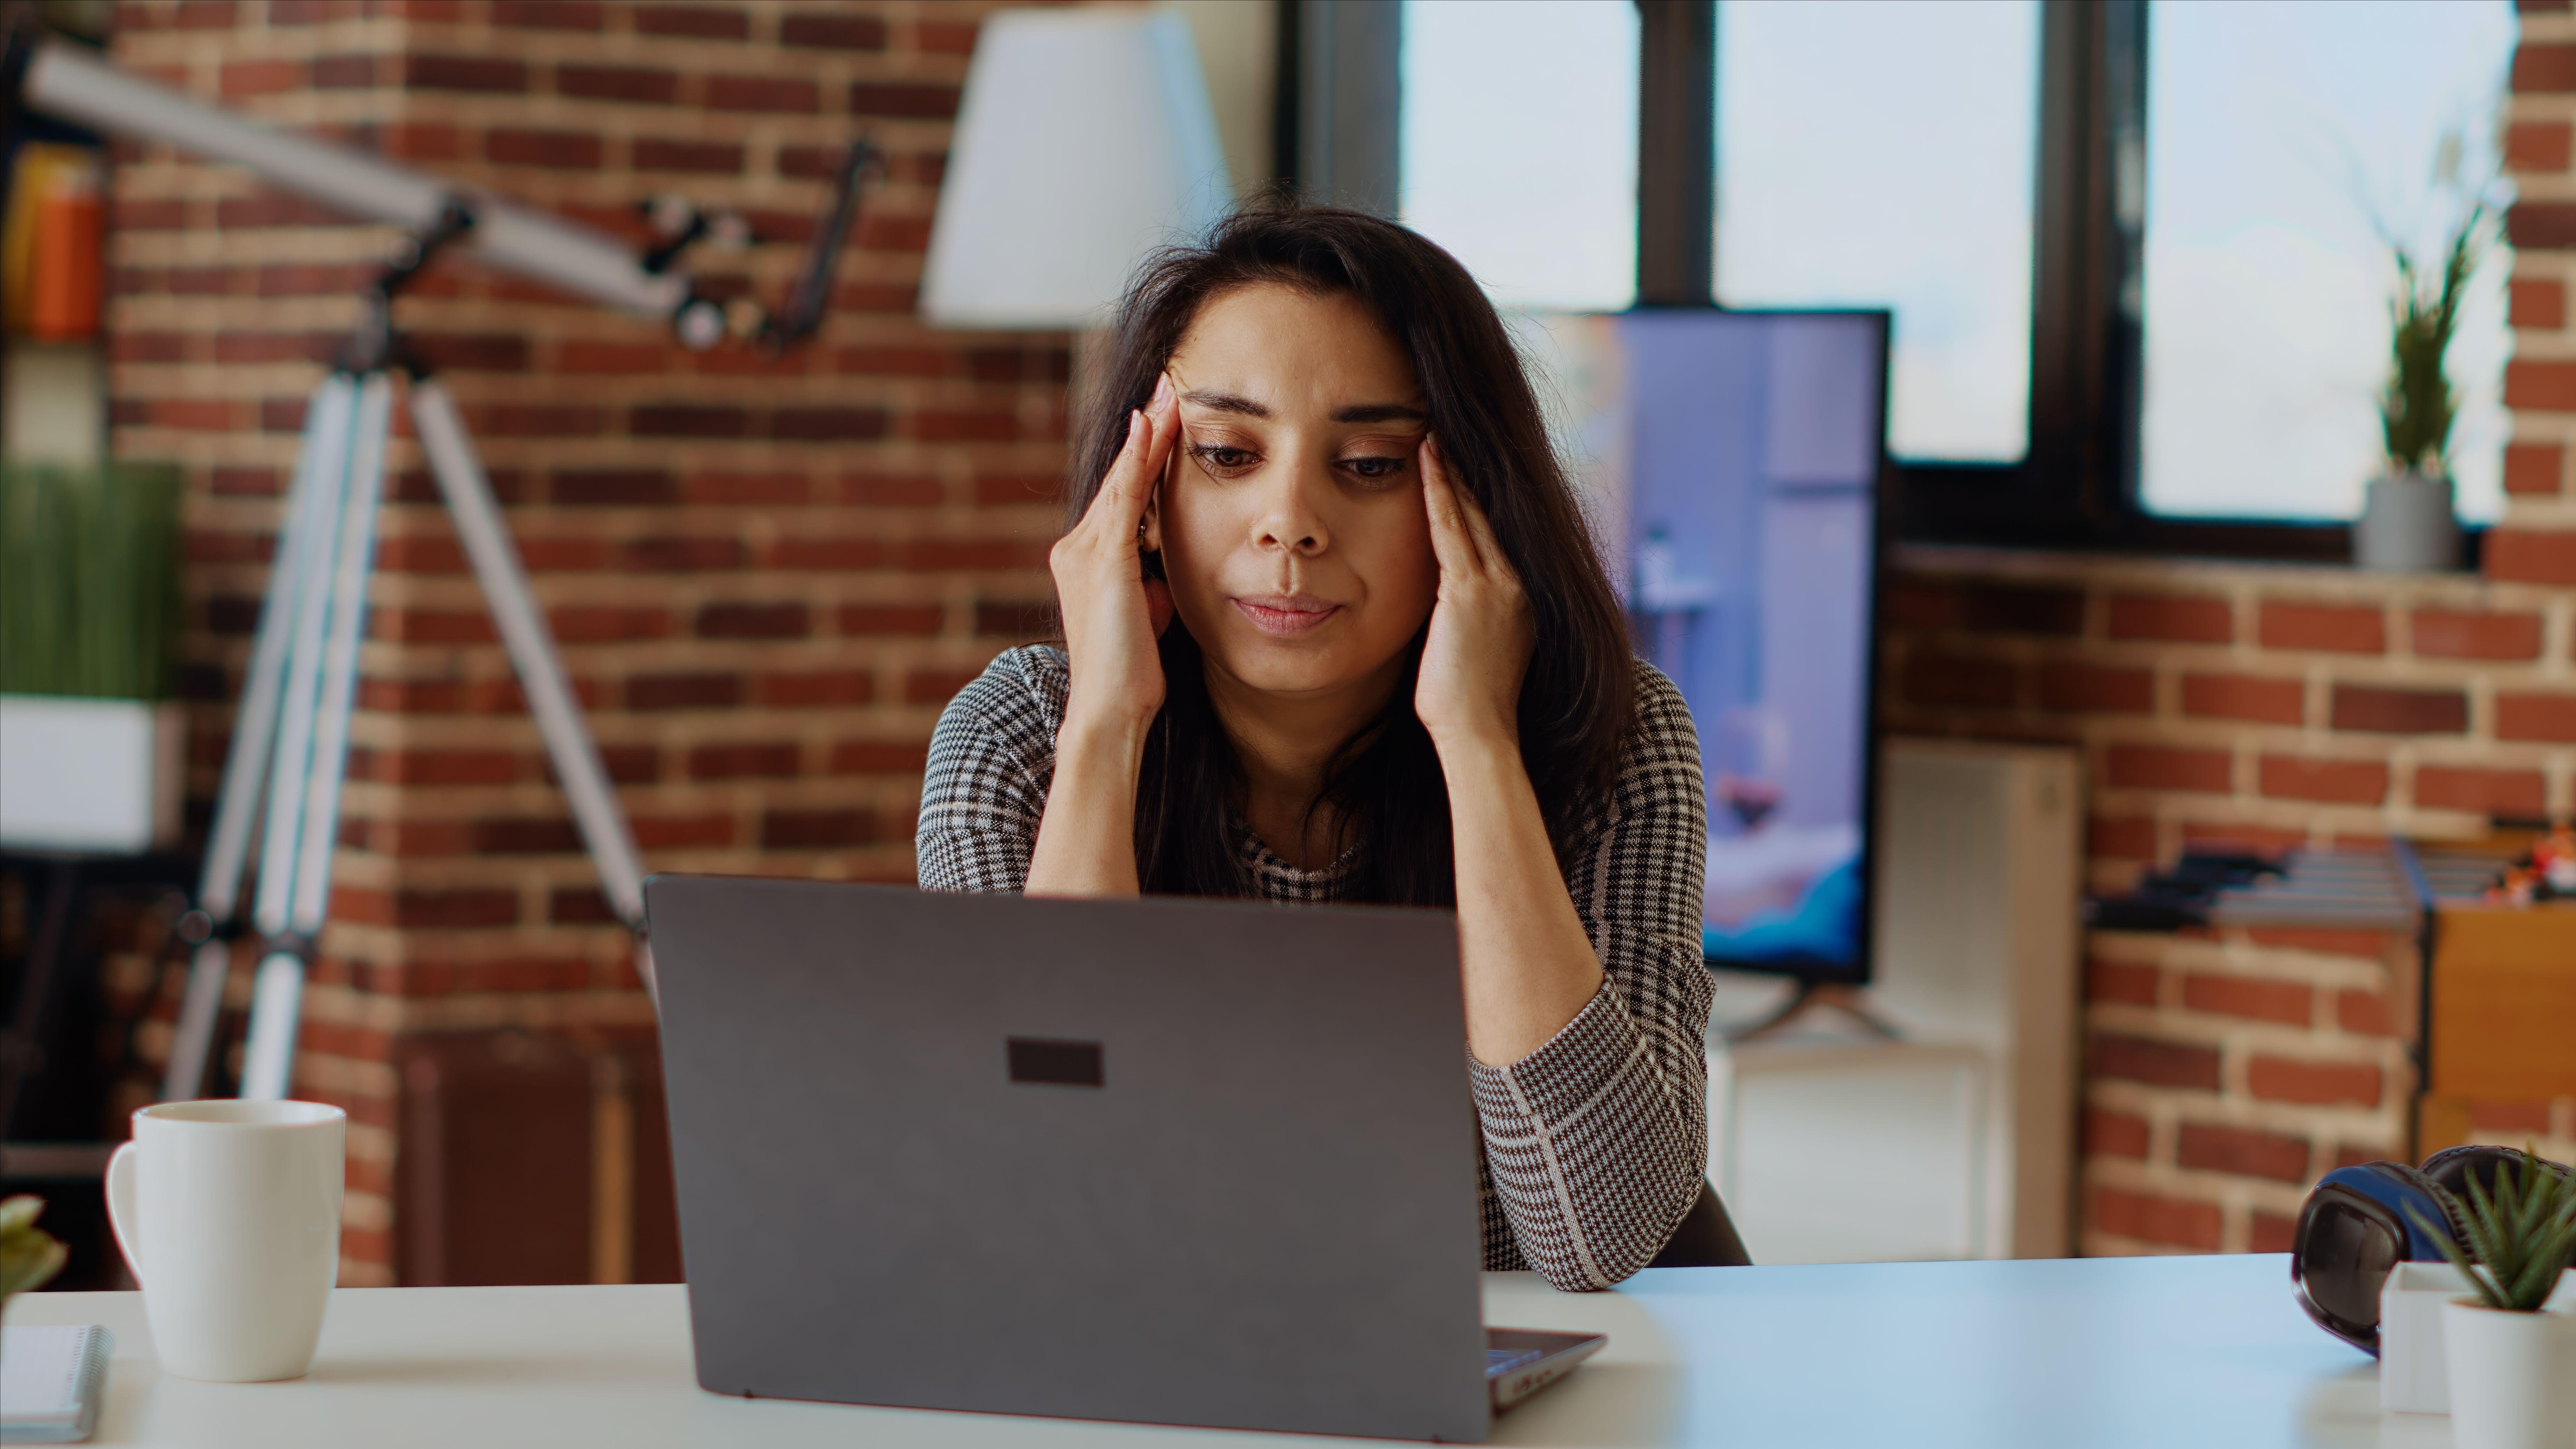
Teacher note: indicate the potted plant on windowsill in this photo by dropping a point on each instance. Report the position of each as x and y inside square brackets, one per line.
[2512, 1363]
[91, 751]
[2408, 518]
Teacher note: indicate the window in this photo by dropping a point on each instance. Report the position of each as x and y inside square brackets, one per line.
[1880, 154]
[1519, 145]
[2136, 251]
[2286, 143]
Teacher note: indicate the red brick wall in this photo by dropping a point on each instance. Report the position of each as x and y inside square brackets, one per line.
[2259, 704]
[767, 576]
[2539, 543]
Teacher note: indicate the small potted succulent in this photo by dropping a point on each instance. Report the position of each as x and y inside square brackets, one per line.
[2512, 1362]
[90, 743]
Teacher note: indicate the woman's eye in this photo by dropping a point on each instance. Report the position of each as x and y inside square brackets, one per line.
[1374, 468]
[1217, 458]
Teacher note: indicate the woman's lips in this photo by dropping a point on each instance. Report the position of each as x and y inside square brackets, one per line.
[1285, 615]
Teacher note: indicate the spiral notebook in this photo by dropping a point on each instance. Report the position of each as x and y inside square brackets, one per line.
[51, 1382]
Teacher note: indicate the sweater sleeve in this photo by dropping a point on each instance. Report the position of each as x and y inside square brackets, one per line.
[985, 785]
[1598, 1141]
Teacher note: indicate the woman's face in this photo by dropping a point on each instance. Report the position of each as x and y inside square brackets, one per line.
[1291, 522]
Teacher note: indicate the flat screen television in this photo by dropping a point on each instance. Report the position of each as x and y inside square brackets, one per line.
[1736, 461]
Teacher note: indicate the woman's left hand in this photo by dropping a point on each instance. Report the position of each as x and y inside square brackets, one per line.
[1480, 638]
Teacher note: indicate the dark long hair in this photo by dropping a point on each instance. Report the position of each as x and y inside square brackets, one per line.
[1385, 784]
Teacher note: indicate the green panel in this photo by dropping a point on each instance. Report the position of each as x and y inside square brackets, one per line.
[89, 579]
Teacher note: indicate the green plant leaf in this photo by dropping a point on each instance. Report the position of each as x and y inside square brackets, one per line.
[2418, 405]
[2486, 1290]
[2540, 1276]
[2477, 1222]
[2521, 1237]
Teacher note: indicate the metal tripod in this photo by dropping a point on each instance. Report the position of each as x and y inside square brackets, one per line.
[290, 744]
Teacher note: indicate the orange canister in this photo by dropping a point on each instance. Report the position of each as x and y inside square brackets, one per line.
[66, 274]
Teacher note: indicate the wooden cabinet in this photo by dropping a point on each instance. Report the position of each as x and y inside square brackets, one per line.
[2504, 1002]
[532, 1159]
[2502, 1030]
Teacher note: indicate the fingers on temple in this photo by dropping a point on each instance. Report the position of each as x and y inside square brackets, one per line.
[1120, 503]
[1451, 540]
[1480, 528]
[1163, 424]
[1153, 431]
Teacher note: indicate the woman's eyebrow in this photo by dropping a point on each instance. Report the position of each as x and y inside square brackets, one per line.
[1226, 402]
[1380, 413]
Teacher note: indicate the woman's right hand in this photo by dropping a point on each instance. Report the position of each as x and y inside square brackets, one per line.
[1112, 613]
[1112, 617]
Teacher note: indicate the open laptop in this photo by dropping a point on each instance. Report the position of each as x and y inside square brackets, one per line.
[1162, 1161]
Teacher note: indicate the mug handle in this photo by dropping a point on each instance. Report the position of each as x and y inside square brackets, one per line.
[120, 1206]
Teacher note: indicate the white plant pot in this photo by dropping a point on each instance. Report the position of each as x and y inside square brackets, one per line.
[102, 776]
[2513, 1377]
[2406, 526]
[2414, 1376]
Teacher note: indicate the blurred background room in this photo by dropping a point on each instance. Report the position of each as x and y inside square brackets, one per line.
[2099, 470]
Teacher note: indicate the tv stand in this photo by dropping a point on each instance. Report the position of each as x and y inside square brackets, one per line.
[1810, 996]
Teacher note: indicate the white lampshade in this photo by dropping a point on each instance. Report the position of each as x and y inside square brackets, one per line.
[1084, 140]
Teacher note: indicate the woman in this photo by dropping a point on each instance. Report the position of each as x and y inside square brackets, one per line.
[1334, 630]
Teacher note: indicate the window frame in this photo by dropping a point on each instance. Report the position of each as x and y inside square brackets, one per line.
[2078, 487]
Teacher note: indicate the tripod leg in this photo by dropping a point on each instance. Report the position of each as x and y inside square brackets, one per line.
[532, 651]
[299, 550]
[254, 737]
[304, 800]
[276, 1003]
[300, 680]
[337, 697]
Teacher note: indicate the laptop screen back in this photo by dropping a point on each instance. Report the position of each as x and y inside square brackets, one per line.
[1164, 1161]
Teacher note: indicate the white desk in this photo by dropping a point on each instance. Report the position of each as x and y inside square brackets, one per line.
[2202, 1352]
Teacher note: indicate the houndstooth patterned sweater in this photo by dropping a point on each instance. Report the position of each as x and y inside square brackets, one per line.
[1595, 1144]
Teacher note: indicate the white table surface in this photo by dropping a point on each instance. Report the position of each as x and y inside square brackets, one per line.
[2204, 1352]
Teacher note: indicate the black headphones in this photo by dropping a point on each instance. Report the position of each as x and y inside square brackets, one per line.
[2356, 1228]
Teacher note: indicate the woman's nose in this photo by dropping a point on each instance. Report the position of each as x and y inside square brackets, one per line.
[1288, 519]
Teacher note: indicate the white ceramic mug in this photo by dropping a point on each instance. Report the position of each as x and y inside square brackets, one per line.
[229, 1214]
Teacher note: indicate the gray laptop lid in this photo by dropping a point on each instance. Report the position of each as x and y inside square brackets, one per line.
[1232, 1184]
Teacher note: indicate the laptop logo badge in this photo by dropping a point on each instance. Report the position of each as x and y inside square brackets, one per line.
[1054, 1063]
